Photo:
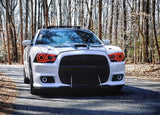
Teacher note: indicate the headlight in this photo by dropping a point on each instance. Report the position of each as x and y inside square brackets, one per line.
[116, 57]
[45, 58]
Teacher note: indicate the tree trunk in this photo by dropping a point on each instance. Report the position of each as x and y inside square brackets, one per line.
[75, 12]
[69, 12]
[26, 28]
[106, 23]
[116, 25]
[7, 33]
[52, 13]
[46, 13]
[35, 16]
[100, 19]
[3, 37]
[111, 21]
[147, 32]
[158, 4]
[60, 12]
[31, 17]
[125, 29]
[136, 35]
[154, 28]
[90, 26]
[14, 41]
[20, 5]
[39, 15]
[11, 26]
[135, 48]
[82, 17]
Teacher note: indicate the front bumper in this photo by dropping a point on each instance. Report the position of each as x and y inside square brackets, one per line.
[52, 69]
[79, 89]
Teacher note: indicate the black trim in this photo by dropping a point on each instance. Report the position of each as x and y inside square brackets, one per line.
[50, 79]
[76, 27]
[82, 87]
[85, 70]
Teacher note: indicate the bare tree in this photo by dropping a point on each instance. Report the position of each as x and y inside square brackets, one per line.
[32, 17]
[111, 21]
[26, 28]
[69, 12]
[125, 28]
[3, 37]
[46, 12]
[147, 6]
[35, 16]
[100, 19]
[20, 6]
[60, 12]
[116, 24]
[7, 33]
[90, 26]
[39, 14]
[154, 28]
[133, 23]
[106, 21]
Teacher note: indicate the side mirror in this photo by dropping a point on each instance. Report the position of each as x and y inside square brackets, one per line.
[106, 42]
[26, 42]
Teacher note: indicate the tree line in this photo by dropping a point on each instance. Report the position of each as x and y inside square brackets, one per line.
[134, 25]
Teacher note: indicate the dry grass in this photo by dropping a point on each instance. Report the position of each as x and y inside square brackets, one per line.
[8, 92]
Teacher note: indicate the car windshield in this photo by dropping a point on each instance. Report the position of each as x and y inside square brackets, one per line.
[61, 37]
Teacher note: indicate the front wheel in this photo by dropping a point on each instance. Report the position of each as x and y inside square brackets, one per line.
[26, 80]
[113, 89]
[32, 89]
[116, 89]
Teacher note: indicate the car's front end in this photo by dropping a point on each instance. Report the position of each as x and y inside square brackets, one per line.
[72, 58]
[79, 68]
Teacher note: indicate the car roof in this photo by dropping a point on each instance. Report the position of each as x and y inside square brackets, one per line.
[65, 28]
[76, 27]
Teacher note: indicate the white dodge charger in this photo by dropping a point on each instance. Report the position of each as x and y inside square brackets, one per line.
[70, 57]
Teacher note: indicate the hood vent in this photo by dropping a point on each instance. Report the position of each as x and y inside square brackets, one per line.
[76, 46]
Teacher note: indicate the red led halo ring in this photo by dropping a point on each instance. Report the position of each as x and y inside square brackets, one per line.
[44, 58]
[116, 56]
[119, 56]
[41, 58]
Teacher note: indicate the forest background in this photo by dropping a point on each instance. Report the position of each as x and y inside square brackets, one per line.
[133, 25]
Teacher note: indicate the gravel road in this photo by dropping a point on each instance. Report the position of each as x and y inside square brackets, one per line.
[137, 97]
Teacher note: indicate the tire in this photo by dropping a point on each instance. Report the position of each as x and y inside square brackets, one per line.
[26, 80]
[32, 89]
[117, 89]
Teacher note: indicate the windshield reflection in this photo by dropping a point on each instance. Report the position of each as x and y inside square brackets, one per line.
[67, 38]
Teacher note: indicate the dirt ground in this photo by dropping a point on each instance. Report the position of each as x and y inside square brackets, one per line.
[8, 91]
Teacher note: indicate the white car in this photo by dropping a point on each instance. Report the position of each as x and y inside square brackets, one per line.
[70, 57]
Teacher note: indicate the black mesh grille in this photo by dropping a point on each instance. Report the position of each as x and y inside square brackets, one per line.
[84, 70]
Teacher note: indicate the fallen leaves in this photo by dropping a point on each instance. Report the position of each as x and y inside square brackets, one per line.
[143, 71]
[8, 92]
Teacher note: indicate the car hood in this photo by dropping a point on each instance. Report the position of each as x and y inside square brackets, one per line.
[112, 49]
[57, 50]
[109, 49]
